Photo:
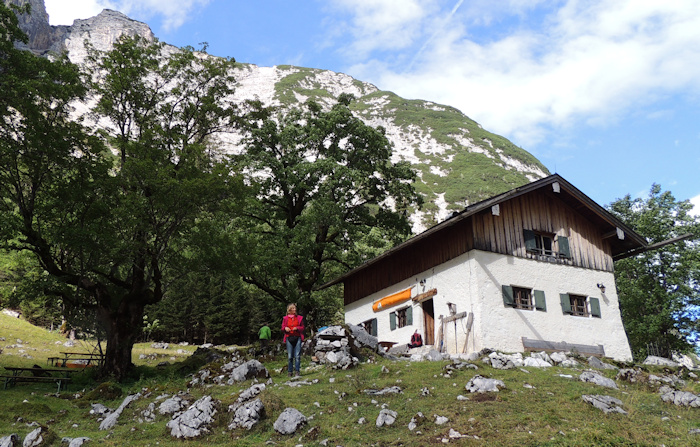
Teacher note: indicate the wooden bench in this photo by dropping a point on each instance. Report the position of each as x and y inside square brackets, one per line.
[552, 346]
[12, 380]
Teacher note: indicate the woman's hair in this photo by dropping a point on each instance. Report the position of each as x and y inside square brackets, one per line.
[290, 305]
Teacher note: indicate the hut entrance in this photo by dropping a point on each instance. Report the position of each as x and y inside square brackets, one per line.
[429, 322]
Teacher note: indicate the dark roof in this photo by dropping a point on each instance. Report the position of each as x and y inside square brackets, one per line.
[569, 194]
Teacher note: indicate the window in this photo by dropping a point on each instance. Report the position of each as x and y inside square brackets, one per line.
[522, 298]
[401, 318]
[544, 244]
[579, 305]
[370, 326]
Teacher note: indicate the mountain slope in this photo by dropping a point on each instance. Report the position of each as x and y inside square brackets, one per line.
[457, 161]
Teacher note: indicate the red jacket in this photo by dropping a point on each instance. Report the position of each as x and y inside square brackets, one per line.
[293, 321]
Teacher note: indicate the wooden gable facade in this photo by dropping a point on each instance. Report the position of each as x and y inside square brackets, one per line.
[547, 220]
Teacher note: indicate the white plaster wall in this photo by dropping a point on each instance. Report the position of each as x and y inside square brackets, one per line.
[473, 282]
[502, 327]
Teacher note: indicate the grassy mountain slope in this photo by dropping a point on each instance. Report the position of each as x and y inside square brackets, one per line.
[538, 406]
[457, 161]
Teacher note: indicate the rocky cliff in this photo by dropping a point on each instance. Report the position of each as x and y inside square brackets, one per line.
[457, 161]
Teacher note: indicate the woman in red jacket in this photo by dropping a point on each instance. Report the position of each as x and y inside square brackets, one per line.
[293, 329]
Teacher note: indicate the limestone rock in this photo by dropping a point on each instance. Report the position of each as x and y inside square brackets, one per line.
[416, 420]
[111, 420]
[389, 390]
[196, 420]
[607, 404]
[172, 405]
[10, 440]
[362, 339]
[479, 384]
[246, 414]
[536, 362]
[594, 377]
[386, 417]
[504, 361]
[249, 370]
[75, 442]
[251, 392]
[289, 421]
[659, 361]
[39, 437]
[680, 398]
[596, 363]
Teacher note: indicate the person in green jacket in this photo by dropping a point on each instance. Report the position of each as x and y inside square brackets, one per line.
[265, 335]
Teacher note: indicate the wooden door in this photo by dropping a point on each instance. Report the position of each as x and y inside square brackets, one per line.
[429, 322]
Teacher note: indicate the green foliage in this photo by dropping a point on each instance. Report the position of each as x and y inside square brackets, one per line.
[660, 290]
[105, 229]
[325, 181]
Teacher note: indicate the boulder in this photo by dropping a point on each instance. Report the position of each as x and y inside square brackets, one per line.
[536, 362]
[595, 362]
[172, 405]
[111, 420]
[389, 390]
[479, 384]
[659, 361]
[195, 420]
[10, 441]
[416, 420]
[249, 370]
[386, 417]
[246, 414]
[251, 392]
[39, 437]
[289, 421]
[75, 442]
[594, 377]
[504, 361]
[607, 404]
[363, 339]
[680, 398]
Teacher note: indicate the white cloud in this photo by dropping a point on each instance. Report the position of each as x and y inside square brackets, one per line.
[590, 61]
[62, 12]
[696, 205]
[377, 25]
[173, 13]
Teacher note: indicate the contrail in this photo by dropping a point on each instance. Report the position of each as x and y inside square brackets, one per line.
[432, 36]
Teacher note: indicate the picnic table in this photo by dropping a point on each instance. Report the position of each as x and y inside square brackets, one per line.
[82, 358]
[59, 376]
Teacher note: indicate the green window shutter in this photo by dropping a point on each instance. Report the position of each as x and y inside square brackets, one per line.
[508, 296]
[595, 307]
[540, 303]
[392, 320]
[374, 327]
[409, 316]
[564, 251]
[565, 303]
[530, 242]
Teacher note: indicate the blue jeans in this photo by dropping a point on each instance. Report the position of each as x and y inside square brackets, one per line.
[293, 354]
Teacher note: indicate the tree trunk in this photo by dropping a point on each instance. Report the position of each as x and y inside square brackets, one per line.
[123, 327]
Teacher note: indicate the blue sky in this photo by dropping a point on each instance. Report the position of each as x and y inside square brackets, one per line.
[604, 92]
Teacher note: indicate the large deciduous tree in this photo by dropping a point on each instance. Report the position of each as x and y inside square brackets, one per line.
[324, 188]
[107, 222]
[659, 290]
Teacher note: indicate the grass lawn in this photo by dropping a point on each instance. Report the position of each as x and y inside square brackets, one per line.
[538, 407]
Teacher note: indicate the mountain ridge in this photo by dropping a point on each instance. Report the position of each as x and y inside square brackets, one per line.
[456, 160]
